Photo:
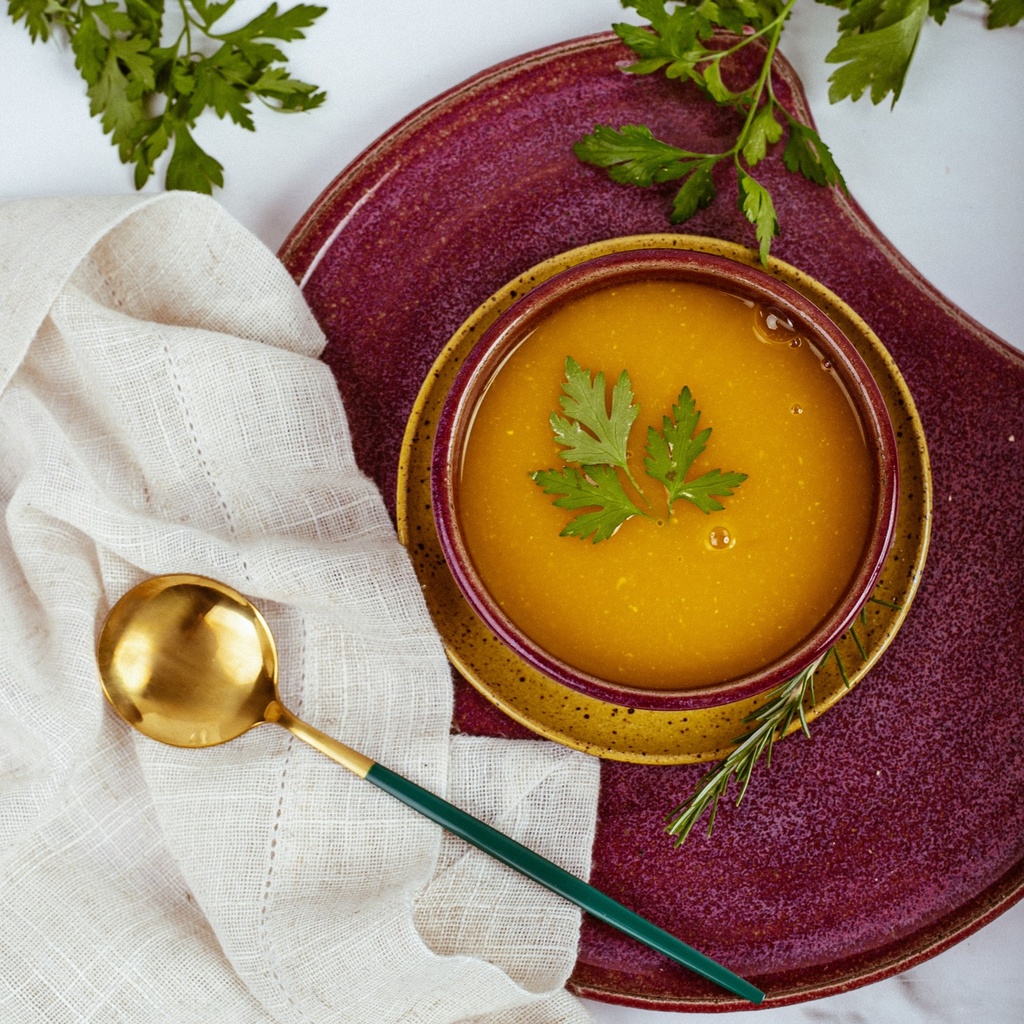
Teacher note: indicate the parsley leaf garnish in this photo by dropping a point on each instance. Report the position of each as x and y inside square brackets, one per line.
[591, 435]
[597, 440]
[149, 92]
[806, 153]
[671, 452]
[633, 156]
[756, 203]
[703, 491]
[697, 192]
[596, 487]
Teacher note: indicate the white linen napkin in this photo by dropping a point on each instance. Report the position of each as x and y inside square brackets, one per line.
[162, 409]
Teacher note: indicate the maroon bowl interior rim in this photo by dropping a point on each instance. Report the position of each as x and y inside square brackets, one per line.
[511, 328]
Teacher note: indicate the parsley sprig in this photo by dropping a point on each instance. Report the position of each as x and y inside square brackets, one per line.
[596, 438]
[685, 44]
[877, 40]
[584, 404]
[694, 40]
[671, 452]
[150, 80]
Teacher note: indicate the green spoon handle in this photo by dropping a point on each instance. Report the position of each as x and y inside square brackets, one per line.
[558, 880]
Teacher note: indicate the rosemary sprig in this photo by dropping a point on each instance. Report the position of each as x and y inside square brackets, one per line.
[771, 722]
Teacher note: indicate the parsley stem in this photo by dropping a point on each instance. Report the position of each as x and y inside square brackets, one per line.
[764, 77]
[187, 28]
[636, 487]
[775, 23]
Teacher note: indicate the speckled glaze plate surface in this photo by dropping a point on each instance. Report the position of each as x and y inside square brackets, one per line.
[635, 734]
[898, 828]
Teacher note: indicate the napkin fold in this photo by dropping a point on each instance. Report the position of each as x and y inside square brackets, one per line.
[162, 409]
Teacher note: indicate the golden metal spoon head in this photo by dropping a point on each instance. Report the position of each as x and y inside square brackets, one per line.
[187, 661]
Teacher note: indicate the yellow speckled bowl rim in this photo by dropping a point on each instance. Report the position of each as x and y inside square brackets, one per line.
[615, 731]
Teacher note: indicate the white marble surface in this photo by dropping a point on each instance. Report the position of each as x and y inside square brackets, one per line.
[940, 175]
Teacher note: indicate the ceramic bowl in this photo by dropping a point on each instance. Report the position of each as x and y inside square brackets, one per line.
[748, 283]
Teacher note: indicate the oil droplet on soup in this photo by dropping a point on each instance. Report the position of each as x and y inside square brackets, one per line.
[720, 538]
[676, 601]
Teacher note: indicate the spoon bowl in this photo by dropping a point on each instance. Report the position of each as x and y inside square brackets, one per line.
[190, 662]
[216, 679]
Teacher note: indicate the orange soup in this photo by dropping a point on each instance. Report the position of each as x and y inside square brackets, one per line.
[685, 599]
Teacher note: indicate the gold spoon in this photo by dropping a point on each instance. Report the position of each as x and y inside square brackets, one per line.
[190, 662]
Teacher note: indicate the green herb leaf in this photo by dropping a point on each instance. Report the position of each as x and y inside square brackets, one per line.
[221, 84]
[210, 13]
[1005, 13]
[861, 15]
[938, 9]
[595, 487]
[698, 191]
[633, 156]
[117, 93]
[711, 78]
[591, 434]
[764, 131]
[36, 14]
[672, 42]
[151, 139]
[146, 18]
[113, 17]
[673, 450]
[877, 50]
[703, 491]
[756, 203]
[289, 93]
[806, 153]
[191, 168]
[272, 24]
[90, 48]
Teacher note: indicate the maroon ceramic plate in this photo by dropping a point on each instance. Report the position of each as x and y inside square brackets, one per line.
[899, 828]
